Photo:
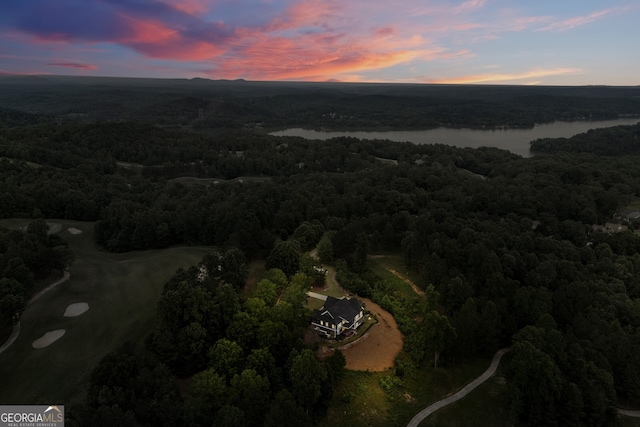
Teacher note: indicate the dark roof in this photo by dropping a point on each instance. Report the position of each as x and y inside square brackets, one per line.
[334, 309]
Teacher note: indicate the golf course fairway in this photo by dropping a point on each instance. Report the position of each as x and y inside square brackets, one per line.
[121, 291]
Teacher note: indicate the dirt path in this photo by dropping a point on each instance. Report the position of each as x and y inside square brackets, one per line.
[16, 327]
[416, 289]
[380, 346]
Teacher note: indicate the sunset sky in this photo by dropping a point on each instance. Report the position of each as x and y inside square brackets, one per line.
[560, 42]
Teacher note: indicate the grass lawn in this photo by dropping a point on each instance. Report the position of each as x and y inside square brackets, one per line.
[314, 303]
[628, 421]
[634, 204]
[121, 290]
[360, 400]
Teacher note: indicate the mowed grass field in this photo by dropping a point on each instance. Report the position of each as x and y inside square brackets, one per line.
[122, 291]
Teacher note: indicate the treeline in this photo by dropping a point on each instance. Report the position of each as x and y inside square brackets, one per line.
[26, 256]
[240, 362]
[348, 111]
[12, 118]
[206, 104]
[615, 141]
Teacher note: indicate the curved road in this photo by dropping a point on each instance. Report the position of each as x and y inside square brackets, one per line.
[16, 327]
[635, 414]
[415, 421]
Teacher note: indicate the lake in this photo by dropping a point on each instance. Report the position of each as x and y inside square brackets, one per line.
[515, 140]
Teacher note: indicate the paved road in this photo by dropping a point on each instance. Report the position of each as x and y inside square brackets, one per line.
[415, 421]
[16, 327]
[635, 414]
[317, 296]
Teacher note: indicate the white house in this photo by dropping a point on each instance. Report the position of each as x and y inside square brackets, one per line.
[338, 316]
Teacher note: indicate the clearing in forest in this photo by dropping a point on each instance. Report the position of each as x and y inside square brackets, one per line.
[378, 347]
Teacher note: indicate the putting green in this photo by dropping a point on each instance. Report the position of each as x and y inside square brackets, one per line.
[122, 291]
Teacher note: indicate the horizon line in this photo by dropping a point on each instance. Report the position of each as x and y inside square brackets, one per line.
[338, 82]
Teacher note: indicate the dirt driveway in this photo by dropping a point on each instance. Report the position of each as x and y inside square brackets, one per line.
[378, 349]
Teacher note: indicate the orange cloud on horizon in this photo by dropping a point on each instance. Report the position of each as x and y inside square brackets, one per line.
[75, 65]
[496, 77]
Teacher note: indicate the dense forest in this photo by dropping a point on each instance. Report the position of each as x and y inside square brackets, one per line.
[599, 143]
[511, 250]
[202, 104]
[245, 359]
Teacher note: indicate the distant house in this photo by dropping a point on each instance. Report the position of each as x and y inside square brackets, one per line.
[338, 316]
[610, 227]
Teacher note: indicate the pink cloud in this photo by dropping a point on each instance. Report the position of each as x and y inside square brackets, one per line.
[306, 13]
[331, 47]
[385, 32]
[574, 22]
[141, 31]
[192, 7]
[156, 40]
[339, 50]
[469, 6]
[311, 57]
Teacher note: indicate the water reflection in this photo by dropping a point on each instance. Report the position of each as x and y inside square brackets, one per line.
[515, 140]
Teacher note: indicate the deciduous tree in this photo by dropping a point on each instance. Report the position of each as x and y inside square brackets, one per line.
[307, 375]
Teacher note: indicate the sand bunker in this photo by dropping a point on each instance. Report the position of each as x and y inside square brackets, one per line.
[74, 230]
[48, 338]
[76, 309]
[54, 227]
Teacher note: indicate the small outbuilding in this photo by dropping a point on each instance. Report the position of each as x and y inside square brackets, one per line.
[338, 316]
